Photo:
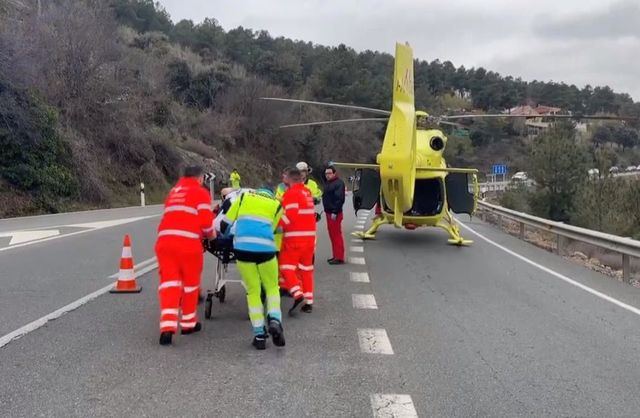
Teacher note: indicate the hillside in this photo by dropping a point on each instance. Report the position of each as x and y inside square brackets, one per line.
[97, 96]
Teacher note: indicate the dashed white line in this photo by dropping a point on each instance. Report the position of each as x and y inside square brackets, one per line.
[357, 260]
[356, 249]
[32, 326]
[374, 341]
[562, 277]
[360, 227]
[364, 302]
[392, 406]
[357, 240]
[359, 277]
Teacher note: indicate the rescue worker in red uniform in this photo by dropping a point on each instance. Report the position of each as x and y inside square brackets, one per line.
[298, 242]
[187, 220]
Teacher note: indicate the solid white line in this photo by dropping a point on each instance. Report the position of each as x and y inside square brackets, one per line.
[555, 273]
[364, 302]
[392, 406]
[70, 235]
[356, 249]
[374, 341]
[357, 260]
[32, 326]
[359, 277]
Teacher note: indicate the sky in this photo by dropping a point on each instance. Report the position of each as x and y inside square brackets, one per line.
[580, 42]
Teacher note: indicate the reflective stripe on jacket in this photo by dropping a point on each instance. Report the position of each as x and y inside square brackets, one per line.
[256, 218]
[188, 216]
[299, 219]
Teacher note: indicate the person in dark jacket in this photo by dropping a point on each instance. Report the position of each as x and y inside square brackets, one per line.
[333, 201]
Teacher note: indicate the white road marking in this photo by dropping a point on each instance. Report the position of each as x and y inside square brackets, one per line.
[357, 240]
[356, 249]
[137, 266]
[360, 227]
[374, 341]
[32, 326]
[359, 277]
[18, 237]
[562, 277]
[357, 260]
[109, 224]
[392, 406]
[361, 222]
[96, 226]
[364, 302]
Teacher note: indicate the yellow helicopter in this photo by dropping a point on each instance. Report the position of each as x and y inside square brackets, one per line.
[410, 182]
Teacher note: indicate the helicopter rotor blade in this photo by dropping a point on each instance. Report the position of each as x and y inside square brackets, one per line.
[329, 122]
[340, 106]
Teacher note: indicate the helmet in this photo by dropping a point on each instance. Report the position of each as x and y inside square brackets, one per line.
[302, 166]
[265, 192]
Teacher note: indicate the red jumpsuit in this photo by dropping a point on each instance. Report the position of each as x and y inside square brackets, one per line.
[187, 219]
[298, 242]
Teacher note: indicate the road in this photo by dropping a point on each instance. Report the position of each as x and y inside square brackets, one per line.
[410, 325]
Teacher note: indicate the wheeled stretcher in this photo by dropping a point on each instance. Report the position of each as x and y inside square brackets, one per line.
[222, 249]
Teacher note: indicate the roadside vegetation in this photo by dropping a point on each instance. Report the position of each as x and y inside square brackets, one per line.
[97, 96]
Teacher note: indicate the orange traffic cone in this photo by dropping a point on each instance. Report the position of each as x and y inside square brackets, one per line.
[127, 276]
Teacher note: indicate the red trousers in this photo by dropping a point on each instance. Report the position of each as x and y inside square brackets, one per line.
[179, 286]
[335, 234]
[296, 269]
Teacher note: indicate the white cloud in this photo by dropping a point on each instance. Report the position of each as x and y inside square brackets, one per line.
[579, 42]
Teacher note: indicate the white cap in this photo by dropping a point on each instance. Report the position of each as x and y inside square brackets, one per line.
[302, 166]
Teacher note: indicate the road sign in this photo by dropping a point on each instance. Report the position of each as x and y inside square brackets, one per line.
[499, 169]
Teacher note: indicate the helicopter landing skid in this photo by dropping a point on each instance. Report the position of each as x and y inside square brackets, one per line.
[449, 224]
[371, 232]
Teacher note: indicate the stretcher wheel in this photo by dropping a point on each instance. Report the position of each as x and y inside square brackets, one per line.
[222, 293]
[207, 307]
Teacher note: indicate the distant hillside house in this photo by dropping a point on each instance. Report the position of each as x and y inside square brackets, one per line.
[535, 125]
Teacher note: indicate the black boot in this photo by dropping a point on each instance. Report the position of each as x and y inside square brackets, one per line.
[307, 308]
[276, 331]
[197, 328]
[165, 338]
[260, 342]
[284, 294]
[296, 303]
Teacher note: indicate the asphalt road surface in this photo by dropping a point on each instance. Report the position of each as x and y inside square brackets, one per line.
[409, 327]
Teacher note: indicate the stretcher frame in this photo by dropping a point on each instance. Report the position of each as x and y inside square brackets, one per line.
[222, 249]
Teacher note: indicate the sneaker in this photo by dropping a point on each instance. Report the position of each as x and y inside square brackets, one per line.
[307, 308]
[165, 338]
[330, 260]
[276, 331]
[296, 303]
[334, 262]
[188, 331]
[260, 342]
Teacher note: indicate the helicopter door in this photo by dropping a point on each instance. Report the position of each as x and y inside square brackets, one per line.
[459, 196]
[366, 189]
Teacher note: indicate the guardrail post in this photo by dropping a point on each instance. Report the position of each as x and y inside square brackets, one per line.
[500, 221]
[559, 244]
[522, 231]
[626, 268]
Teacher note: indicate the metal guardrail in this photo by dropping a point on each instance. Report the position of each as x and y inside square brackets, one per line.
[626, 246]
